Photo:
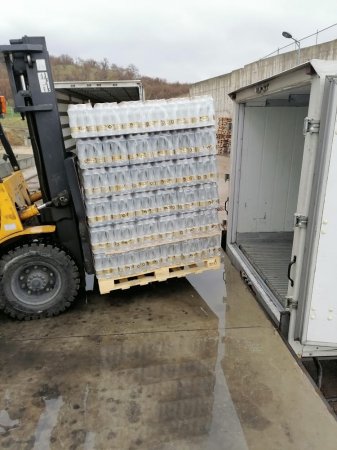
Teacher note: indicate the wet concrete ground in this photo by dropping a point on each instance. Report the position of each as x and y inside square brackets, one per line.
[175, 365]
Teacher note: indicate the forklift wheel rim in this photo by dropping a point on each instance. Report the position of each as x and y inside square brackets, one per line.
[36, 283]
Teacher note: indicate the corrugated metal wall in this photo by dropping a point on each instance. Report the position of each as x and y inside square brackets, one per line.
[272, 154]
[219, 87]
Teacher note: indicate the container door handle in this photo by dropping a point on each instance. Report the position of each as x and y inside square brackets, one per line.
[226, 203]
[292, 262]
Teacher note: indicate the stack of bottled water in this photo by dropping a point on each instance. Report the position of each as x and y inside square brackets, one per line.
[110, 119]
[147, 147]
[148, 173]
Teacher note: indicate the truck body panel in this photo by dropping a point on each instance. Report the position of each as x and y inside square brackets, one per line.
[282, 135]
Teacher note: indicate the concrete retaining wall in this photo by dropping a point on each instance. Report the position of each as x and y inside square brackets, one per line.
[24, 162]
[220, 86]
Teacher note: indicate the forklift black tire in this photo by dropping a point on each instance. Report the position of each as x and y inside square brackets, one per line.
[37, 280]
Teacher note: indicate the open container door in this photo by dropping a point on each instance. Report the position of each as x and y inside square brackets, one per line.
[267, 160]
[317, 314]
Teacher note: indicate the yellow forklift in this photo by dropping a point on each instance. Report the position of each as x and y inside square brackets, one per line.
[44, 239]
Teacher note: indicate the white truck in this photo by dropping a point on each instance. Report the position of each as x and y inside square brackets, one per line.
[282, 224]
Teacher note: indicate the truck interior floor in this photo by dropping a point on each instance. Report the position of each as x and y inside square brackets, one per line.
[270, 254]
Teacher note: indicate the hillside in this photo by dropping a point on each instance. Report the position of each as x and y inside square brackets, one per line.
[66, 68]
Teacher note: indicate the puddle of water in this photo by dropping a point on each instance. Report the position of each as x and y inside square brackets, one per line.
[211, 287]
[155, 390]
[89, 443]
[6, 423]
[225, 431]
[46, 423]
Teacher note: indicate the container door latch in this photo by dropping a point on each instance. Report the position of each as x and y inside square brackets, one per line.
[301, 221]
[310, 126]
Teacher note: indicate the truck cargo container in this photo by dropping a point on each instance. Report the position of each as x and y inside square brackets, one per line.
[283, 210]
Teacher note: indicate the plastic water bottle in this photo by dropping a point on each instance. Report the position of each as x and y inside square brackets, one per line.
[212, 167]
[180, 113]
[123, 179]
[182, 203]
[99, 267]
[81, 151]
[95, 240]
[144, 123]
[113, 125]
[87, 182]
[82, 120]
[89, 121]
[210, 110]
[107, 152]
[154, 116]
[133, 116]
[161, 146]
[141, 232]
[73, 121]
[180, 225]
[98, 151]
[209, 141]
[100, 118]
[185, 107]
[91, 213]
[188, 169]
[162, 115]
[206, 114]
[197, 136]
[111, 174]
[141, 148]
[123, 151]
[105, 183]
[124, 119]
[171, 114]
[194, 111]
[190, 141]
[190, 196]
[132, 148]
[104, 239]
[174, 144]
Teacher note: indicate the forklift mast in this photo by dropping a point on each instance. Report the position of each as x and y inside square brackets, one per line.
[32, 85]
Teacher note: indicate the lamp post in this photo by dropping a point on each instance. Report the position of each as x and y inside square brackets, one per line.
[297, 43]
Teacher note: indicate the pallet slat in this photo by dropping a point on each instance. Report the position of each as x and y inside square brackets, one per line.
[162, 274]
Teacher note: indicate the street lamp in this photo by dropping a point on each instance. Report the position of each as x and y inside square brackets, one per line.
[297, 43]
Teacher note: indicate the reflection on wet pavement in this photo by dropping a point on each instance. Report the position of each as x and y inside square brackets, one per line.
[225, 431]
[152, 368]
[6, 423]
[47, 422]
[90, 380]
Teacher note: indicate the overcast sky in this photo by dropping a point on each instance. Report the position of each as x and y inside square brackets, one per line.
[180, 40]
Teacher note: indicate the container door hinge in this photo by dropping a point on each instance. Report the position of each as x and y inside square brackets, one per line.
[291, 303]
[310, 126]
[301, 221]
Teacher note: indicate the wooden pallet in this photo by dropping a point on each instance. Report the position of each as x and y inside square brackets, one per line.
[162, 274]
[223, 135]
